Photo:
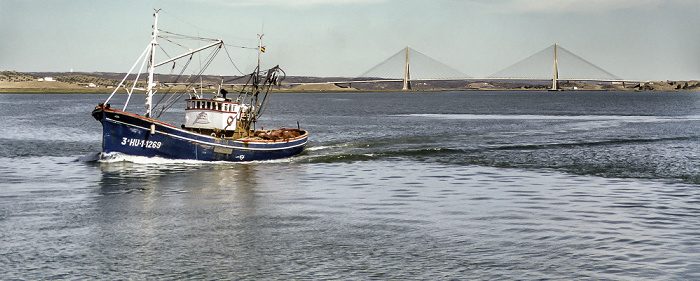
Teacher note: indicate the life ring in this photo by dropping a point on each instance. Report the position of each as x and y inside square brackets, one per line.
[230, 120]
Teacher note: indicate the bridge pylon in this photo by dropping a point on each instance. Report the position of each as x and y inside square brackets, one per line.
[407, 74]
[555, 77]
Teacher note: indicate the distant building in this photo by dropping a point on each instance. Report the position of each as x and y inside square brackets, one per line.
[87, 85]
[46, 79]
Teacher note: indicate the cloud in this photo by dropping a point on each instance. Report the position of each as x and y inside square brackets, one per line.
[580, 6]
[290, 3]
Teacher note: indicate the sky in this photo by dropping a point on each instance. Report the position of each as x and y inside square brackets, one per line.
[633, 39]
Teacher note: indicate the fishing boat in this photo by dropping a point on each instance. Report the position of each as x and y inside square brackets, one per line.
[220, 127]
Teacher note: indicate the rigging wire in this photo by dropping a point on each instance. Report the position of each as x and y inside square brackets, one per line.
[195, 26]
[171, 101]
[175, 43]
[188, 37]
[230, 59]
[249, 92]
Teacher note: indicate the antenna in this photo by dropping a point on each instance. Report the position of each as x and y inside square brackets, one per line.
[261, 48]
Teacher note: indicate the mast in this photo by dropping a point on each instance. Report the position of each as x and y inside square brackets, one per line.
[256, 81]
[151, 67]
[407, 74]
[261, 48]
[555, 77]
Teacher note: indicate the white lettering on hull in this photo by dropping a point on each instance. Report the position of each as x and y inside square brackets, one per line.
[141, 143]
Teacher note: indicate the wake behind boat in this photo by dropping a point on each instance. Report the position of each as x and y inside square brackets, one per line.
[218, 128]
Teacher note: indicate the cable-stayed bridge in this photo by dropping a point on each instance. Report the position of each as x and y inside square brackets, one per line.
[542, 64]
[399, 66]
[547, 64]
[553, 63]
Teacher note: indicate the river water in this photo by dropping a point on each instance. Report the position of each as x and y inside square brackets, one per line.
[404, 185]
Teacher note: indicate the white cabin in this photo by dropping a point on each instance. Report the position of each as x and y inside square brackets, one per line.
[213, 114]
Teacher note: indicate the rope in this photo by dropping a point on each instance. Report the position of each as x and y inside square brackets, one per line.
[230, 59]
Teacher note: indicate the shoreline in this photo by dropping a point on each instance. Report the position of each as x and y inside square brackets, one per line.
[49, 91]
[104, 83]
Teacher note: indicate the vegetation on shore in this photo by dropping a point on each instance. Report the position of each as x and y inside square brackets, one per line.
[62, 82]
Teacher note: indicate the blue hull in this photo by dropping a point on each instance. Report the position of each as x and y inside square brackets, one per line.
[131, 134]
